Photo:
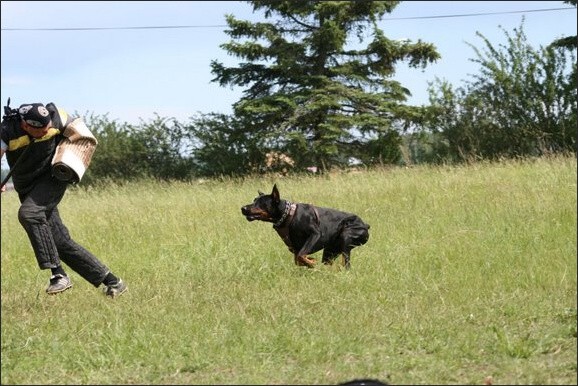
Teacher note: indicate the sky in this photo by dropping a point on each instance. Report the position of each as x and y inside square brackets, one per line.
[88, 58]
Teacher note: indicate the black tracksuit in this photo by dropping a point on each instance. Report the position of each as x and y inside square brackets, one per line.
[40, 193]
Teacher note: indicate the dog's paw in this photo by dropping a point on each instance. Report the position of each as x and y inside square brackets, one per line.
[305, 261]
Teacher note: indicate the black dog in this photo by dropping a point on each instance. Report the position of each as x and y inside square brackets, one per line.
[306, 229]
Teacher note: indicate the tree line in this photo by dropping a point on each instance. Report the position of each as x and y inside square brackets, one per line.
[324, 103]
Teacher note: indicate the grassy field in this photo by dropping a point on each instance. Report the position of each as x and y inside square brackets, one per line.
[470, 272]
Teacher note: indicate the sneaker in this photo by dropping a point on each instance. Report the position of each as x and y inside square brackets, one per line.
[115, 290]
[58, 283]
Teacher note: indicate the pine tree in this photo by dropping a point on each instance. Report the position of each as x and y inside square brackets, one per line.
[313, 88]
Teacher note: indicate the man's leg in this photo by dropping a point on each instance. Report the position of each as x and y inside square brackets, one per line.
[74, 255]
[33, 216]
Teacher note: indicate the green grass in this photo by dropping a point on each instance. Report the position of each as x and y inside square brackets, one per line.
[469, 272]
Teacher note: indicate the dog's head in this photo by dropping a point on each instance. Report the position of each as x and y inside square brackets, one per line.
[265, 207]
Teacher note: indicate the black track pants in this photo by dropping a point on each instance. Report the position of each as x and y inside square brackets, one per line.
[50, 238]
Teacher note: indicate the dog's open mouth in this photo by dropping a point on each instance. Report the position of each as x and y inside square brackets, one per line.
[251, 215]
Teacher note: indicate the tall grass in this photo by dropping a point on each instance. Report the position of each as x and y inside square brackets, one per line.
[469, 272]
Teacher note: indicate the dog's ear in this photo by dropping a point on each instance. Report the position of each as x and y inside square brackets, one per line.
[275, 194]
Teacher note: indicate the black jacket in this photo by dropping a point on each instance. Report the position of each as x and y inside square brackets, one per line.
[37, 160]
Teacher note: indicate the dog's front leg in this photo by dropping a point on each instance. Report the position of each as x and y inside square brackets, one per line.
[302, 257]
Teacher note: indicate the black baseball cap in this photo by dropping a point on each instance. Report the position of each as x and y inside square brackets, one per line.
[34, 114]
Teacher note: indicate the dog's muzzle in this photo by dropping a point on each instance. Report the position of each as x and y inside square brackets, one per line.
[246, 211]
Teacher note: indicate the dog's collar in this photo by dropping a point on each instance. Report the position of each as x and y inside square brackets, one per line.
[287, 213]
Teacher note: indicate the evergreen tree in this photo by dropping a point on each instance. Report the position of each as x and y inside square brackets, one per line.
[313, 89]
